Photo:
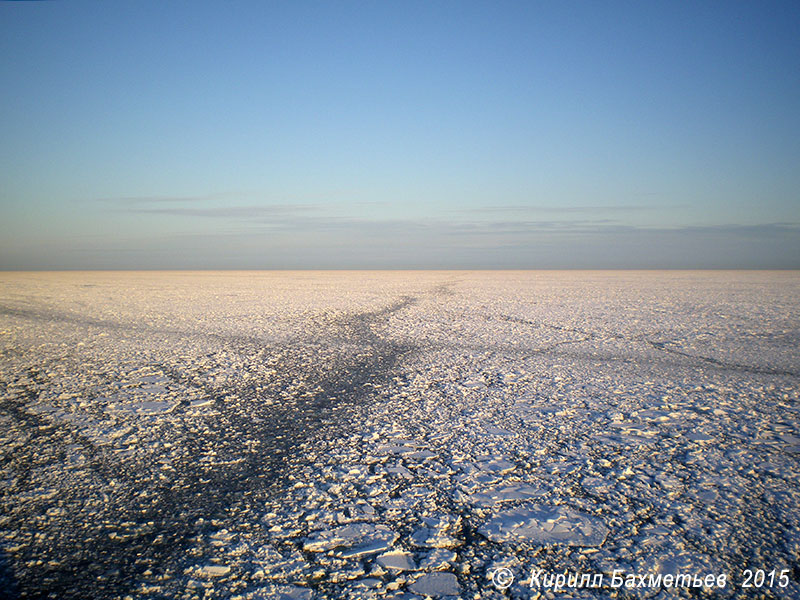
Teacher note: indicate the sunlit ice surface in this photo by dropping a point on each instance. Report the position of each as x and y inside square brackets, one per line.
[396, 434]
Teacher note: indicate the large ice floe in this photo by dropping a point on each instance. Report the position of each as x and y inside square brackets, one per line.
[352, 541]
[545, 525]
[399, 435]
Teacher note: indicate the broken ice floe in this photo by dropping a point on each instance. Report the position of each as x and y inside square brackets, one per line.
[545, 525]
[438, 560]
[282, 592]
[436, 585]
[213, 571]
[354, 540]
[397, 561]
[504, 493]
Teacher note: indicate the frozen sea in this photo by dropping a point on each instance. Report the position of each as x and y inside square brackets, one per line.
[404, 435]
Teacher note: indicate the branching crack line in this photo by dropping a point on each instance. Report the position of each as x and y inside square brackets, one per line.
[661, 346]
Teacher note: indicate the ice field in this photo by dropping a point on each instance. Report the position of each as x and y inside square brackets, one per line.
[397, 434]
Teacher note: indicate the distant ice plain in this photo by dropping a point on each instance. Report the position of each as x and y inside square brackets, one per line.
[394, 434]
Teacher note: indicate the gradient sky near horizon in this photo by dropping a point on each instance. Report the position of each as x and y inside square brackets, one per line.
[214, 135]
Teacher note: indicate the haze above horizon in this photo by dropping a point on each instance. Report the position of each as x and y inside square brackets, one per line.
[248, 135]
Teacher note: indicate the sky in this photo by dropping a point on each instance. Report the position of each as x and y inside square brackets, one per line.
[392, 135]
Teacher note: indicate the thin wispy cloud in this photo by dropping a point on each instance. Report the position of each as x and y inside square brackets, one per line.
[523, 208]
[757, 229]
[228, 212]
[124, 201]
[324, 217]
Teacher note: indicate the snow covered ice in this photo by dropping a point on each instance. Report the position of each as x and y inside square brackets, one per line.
[545, 525]
[394, 434]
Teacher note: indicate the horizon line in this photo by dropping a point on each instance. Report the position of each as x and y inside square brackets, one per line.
[399, 269]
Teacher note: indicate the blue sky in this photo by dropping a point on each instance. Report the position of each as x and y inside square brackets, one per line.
[399, 135]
